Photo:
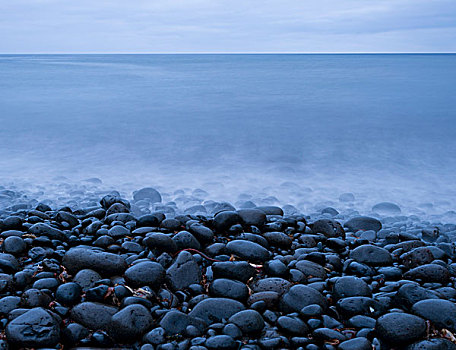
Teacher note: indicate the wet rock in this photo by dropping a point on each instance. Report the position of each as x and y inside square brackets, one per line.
[350, 286]
[130, 323]
[311, 269]
[409, 294]
[271, 210]
[146, 273]
[371, 255]
[363, 223]
[147, 193]
[400, 328]
[42, 229]
[248, 321]
[252, 217]
[186, 240]
[278, 239]
[86, 279]
[442, 313]
[160, 241]
[417, 257]
[429, 273]
[36, 328]
[227, 288]
[221, 342]
[93, 315]
[386, 208]
[360, 343]
[213, 310]
[238, 270]
[106, 264]
[432, 344]
[183, 272]
[14, 245]
[329, 228]
[248, 250]
[273, 284]
[300, 296]
[225, 219]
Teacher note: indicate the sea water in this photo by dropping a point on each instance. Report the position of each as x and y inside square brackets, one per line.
[278, 129]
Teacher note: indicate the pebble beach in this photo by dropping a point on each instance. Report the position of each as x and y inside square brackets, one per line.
[136, 271]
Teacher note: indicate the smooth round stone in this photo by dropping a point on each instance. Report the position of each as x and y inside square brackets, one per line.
[331, 211]
[225, 219]
[35, 298]
[327, 334]
[147, 273]
[14, 245]
[400, 328]
[8, 304]
[429, 273]
[248, 321]
[417, 257]
[346, 197]
[185, 240]
[276, 268]
[35, 328]
[148, 193]
[248, 250]
[46, 283]
[106, 264]
[93, 315]
[252, 217]
[271, 210]
[130, 323]
[371, 255]
[202, 233]
[148, 220]
[292, 325]
[350, 286]
[409, 294]
[363, 223]
[278, 239]
[360, 321]
[86, 279]
[221, 342]
[442, 313]
[330, 228]
[160, 241]
[227, 288]
[360, 343]
[183, 272]
[300, 296]
[311, 269]
[271, 284]
[118, 231]
[213, 310]
[68, 293]
[432, 344]
[238, 270]
[313, 310]
[232, 330]
[386, 208]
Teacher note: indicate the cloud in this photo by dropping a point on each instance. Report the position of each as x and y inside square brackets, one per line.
[227, 26]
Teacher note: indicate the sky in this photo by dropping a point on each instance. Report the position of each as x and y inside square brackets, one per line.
[188, 26]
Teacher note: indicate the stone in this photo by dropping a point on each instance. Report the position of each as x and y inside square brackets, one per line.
[93, 315]
[214, 310]
[397, 328]
[350, 286]
[36, 328]
[183, 272]
[130, 323]
[252, 217]
[442, 313]
[330, 228]
[386, 208]
[238, 270]
[227, 288]
[106, 264]
[371, 255]
[225, 219]
[247, 250]
[147, 193]
[311, 269]
[363, 223]
[248, 321]
[300, 296]
[146, 273]
[429, 273]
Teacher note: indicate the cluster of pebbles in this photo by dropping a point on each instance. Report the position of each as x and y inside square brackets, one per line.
[119, 275]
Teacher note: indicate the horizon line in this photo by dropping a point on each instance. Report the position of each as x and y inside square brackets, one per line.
[232, 53]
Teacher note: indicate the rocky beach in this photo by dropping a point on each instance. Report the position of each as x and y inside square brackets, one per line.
[106, 269]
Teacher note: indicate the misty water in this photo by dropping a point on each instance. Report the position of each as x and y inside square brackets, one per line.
[277, 129]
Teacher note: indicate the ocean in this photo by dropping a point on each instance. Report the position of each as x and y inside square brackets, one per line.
[274, 128]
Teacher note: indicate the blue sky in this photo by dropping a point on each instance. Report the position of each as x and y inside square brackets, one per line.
[143, 26]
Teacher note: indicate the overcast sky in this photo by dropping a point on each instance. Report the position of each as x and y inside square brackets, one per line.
[64, 26]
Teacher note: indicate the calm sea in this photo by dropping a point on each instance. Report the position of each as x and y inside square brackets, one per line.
[301, 128]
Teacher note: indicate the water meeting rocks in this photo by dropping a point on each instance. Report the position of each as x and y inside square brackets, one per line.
[196, 274]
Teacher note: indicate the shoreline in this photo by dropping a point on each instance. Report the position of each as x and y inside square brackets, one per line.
[223, 277]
